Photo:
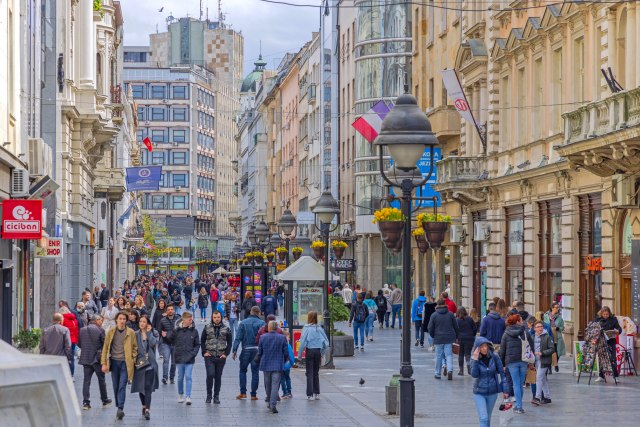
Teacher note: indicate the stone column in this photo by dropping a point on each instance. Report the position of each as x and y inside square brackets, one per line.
[611, 40]
[484, 105]
[630, 49]
[530, 261]
[86, 39]
[477, 145]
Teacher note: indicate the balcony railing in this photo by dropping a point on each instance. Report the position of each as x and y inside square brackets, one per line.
[461, 169]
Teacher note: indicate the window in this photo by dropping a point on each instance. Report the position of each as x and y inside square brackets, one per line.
[179, 114]
[556, 92]
[158, 114]
[158, 91]
[505, 113]
[515, 252]
[138, 91]
[179, 135]
[516, 236]
[179, 157]
[432, 22]
[522, 110]
[140, 134]
[163, 180]
[431, 93]
[180, 92]
[537, 101]
[158, 135]
[157, 202]
[141, 115]
[178, 202]
[135, 57]
[578, 67]
[180, 180]
[157, 157]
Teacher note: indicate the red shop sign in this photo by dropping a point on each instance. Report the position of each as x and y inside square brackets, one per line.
[22, 219]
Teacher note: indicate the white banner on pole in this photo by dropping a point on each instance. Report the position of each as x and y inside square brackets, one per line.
[457, 96]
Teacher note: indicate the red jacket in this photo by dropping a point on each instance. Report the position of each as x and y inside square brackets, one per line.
[451, 306]
[70, 322]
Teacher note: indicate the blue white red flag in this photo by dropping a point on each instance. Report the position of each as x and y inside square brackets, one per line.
[370, 123]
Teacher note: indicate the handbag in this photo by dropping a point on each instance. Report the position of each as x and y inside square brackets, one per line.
[527, 354]
[455, 348]
[531, 375]
[257, 358]
[143, 362]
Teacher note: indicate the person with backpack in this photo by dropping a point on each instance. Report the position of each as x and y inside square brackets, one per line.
[381, 304]
[358, 317]
[417, 309]
[428, 310]
[372, 307]
[514, 341]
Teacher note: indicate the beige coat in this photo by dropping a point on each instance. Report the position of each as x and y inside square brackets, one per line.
[130, 350]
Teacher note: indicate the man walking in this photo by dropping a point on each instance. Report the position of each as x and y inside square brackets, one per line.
[269, 304]
[90, 307]
[186, 344]
[492, 327]
[119, 352]
[273, 353]
[167, 324]
[56, 339]
[443, 327]
[90, 341]
[417, 310]
[104, 295]
[396, 305]
[247, 332]
[216, 346]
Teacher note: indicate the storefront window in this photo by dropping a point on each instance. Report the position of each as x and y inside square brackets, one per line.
[626, 236]
[556, 235]
[516, 236]
[516, 285]
[556, 286]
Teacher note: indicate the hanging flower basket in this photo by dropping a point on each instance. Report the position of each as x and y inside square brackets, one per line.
[249, 258]
[318, 252]
[270, 256]
[297, 253]
[421, 240]
[338, 251]
[282, 256]
[435, 232]
[259, 257]
[391, 234]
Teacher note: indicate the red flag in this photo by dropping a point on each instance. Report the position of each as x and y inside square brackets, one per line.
[147, 143]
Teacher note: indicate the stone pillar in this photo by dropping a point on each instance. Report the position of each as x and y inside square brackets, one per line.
[86, 39]
[440, 274]
[469, 132]
[630, 49]
[495, 255]
[530, 261]
[570, 266]
[429, 271]
[611, 40]
[481, 112]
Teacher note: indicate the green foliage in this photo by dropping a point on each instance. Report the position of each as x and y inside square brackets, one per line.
[97, 5]
[28, 338]
[338, 311]
[153, 231]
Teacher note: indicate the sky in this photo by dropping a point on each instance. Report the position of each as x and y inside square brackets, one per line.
[281, 28]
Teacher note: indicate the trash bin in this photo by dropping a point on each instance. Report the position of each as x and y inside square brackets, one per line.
[392, 394]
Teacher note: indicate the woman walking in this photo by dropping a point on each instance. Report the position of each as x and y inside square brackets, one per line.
[610, 326]
[371, 317]
[273, 353]
[543, 349]
[556, 323]
[486, 368]
[381, 304]
[315, 341]
[145, 379]
[466, 337]
[203, 303]
[109, 314]
[159, 314]
[71, 322]
[247, 303]
[511, 356]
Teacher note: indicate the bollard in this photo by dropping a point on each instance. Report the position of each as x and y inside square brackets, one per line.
[392, 394]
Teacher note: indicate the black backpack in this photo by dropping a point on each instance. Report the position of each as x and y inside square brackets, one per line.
[361, 312]
[381, 301]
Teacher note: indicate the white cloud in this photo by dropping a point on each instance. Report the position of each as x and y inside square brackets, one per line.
[280, 28]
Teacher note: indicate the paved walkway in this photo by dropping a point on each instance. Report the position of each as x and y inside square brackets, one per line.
[345, 403]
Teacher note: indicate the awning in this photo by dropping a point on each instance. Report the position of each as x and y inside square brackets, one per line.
[306, 268]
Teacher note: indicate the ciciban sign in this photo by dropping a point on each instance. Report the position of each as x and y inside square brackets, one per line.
[22, 219]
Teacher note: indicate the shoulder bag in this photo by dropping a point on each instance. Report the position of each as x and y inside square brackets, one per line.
[143, 362]
[527, 354]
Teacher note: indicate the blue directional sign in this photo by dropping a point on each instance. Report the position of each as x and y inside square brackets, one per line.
[427, 189]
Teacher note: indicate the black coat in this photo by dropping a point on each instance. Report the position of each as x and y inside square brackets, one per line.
[157, 319]
[167, 325]
[443, 326]
[247, 303]
[186, 342]
[467, 328]
[137, 385]
[511, 344]
[90, 341]
[429, 309]
[203, 301]
[610, 324]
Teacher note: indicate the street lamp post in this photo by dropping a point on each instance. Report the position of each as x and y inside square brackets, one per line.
[262, 236]
[326, 209]
[406, 132]
[251, 237]
[287, 226]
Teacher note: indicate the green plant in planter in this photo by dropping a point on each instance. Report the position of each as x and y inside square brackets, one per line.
[339, 313]
[28, 339]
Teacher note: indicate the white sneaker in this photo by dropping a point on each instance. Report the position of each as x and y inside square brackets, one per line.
[599, 379]
[316, 397]
[309, 397]
[180, 399]
[188, 401]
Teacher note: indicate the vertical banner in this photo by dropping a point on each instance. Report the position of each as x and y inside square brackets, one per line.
[459, 99]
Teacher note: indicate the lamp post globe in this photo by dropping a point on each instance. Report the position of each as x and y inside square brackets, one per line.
[406, 132]
[275, 240]
[251, 235]
[326, 208]
[262, 232]
[287, 223]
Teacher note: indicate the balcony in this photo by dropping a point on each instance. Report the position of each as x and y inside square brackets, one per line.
[110, 181]
[603, 137]
[461, 179]
[134, 234]
[445, 122]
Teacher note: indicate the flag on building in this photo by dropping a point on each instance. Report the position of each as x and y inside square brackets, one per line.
[144, 178]
[369, 124]
[126, 214]
[148, 245]
[148, 144]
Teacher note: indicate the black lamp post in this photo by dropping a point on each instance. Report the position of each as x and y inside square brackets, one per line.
[287, 225]
[326, 209]
[251, 237]
[406, 132]
[262, 236]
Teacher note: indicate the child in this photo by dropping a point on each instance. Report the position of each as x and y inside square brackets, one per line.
[285, 382]
[543, 349]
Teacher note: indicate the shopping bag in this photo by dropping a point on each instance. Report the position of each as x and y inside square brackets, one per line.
[531, 375]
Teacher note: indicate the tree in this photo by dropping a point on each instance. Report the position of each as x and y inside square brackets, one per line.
[154, 233]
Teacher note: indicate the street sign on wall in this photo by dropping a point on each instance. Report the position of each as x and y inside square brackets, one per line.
[305, 218]
[345, 265]
[51, 249]
[21, 219]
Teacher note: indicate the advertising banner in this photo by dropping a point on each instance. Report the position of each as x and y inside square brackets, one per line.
[144, 178]
[52, 248]
[22, 219]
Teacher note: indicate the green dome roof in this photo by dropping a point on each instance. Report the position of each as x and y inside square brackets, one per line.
[249, 83]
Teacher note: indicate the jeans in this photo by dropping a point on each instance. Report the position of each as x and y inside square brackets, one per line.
[281, 300]
[86, 384]
[419, 331]
[447, 351]
[184, 370]
[542, 384]
[233, 325]
[484, 406]
[386, 318]
[203, 312]
[166, 350]
[380, 314]
[464, 353]
[149, 379]
[429, 339]
[358, 326]
[246, 359]
[271, 386]
[368, 325]
[312, 368]
[396, 309]
[518, 372]
[214, 366]
[285, 382]
[72, 363]
[119, 379]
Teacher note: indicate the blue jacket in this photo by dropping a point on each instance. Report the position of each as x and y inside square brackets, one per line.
[313, 336]
[289, 364]
[247, 331]
[492, 327]
[273, 352]
[489, 379]
[269, 305]
[418, 303]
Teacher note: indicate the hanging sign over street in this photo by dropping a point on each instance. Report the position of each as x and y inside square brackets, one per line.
[51, 249]
[22, 219]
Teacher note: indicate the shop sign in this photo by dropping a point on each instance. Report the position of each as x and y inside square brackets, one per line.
[345, 265]
[51, 248]
[594, 264]
[22, 219]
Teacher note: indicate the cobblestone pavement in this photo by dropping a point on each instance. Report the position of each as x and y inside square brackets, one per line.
[345, 403]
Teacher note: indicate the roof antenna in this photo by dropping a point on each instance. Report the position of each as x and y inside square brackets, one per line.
[200, 19]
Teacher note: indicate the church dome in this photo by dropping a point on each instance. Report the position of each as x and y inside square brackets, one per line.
[250, 82]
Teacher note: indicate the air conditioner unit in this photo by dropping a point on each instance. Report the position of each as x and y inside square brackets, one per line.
[164, 101]
[306, 147]
[286, 126]
[481, 231]
[623, 191]
[146, 123]
[178, 188]
[19, 183]
[40, 159]
[458, 234]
